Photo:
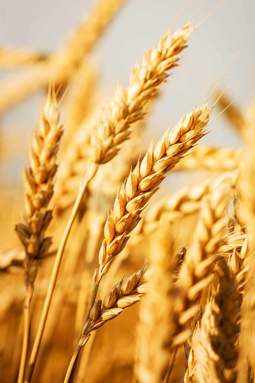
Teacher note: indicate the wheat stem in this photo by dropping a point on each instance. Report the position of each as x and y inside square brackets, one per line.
[55, 272]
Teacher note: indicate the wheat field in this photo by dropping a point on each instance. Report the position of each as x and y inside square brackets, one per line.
[107, 274]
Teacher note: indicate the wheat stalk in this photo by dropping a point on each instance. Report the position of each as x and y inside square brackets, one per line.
[39, 188]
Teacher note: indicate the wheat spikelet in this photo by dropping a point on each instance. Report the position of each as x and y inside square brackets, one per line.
[212, 159]
[39, 187]
[143, 181]
[129, 105]
[153, 352]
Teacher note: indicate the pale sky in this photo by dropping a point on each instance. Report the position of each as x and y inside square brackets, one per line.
[221, 51]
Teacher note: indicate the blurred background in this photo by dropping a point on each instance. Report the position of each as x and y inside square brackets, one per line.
[220, 55]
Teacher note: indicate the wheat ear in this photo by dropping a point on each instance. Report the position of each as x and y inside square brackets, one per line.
[144, 180]
[215, 344]
[246, 215]
[39, 188]
[185, 202]
[129, 105]
[124, 294]
[134, 194]
[196, 270]
[212, 159]
[153, 352]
